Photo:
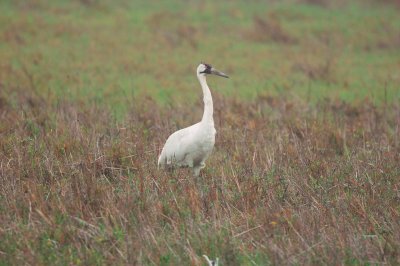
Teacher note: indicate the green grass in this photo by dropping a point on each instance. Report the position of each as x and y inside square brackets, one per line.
[305, 168]
[106, 52]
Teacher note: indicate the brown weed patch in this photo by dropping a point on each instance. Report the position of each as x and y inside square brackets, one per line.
[269, 29]
[311, 185]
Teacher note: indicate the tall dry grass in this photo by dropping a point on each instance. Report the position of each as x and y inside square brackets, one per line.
[287, 183]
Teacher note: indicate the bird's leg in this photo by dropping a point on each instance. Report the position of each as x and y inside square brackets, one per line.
[196, 171]
[199, 181]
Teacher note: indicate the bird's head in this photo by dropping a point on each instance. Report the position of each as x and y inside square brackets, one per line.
[204, 69]
[211, 262]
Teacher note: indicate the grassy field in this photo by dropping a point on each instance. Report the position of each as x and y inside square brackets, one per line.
[306, 167]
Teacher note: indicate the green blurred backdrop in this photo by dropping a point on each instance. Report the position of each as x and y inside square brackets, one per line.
[114, 52]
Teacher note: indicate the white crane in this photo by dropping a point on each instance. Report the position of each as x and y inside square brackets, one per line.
[190, 147]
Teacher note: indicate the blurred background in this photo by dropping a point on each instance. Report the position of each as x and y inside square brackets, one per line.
[110, 52]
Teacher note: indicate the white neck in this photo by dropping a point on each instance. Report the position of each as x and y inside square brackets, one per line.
[208, 102]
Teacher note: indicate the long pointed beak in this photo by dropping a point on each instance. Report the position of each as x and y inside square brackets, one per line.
[218, 73]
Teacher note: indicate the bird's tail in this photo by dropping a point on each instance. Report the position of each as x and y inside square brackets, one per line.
[159, 161]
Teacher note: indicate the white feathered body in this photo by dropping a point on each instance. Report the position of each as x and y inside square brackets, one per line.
[189, 146]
